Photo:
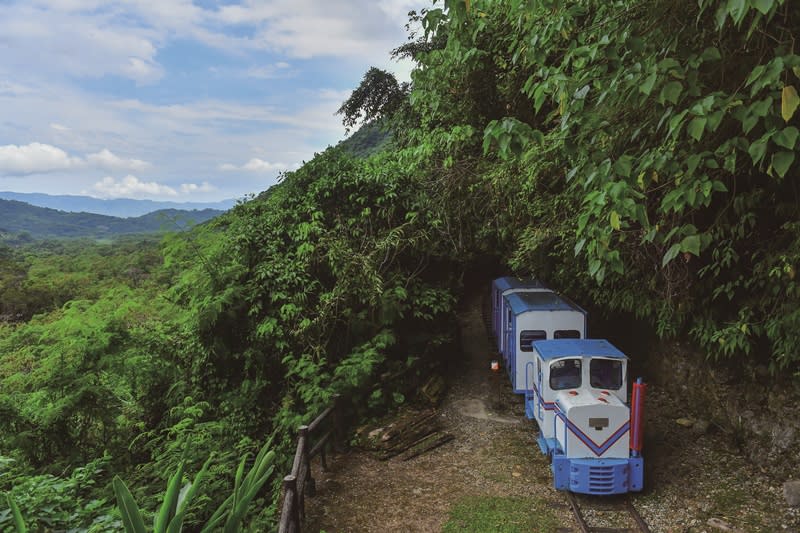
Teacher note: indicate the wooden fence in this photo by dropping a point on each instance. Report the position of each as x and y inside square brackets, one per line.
[312, 440]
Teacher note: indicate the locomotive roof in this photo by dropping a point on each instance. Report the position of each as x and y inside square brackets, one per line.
[556, 348]
[511, 282]
[521, 302]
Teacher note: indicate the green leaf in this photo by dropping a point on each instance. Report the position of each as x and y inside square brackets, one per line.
[719, 186]
[673, 251]
[789, 102]
[711, 54]
[131, 516]
[671, 91]
[787, 137]
[755, 74]
[762, 5]
[594, 267]
[19, 523]
[781, 161]
[761, 108]
[757, 150]
[647, 85]
[696, 127]
[623, 166]
[170, 503]
[614, 220]
[691, 244]
[749, 122]
[737, 10]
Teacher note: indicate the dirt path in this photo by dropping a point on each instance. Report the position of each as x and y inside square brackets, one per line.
[694, 483]
[494, 454]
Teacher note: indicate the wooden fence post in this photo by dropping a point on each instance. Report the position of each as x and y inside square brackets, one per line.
[338, 434]
[290, 488]
[309, 484]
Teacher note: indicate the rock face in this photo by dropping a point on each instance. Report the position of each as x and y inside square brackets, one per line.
[758, 411]
[791, 491]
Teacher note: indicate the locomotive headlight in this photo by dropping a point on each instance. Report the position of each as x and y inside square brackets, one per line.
[598, 423]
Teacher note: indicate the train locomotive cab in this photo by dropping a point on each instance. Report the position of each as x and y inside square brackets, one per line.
[577, 393]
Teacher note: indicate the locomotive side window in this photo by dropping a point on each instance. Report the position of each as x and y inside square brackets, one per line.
[565, 374]
[567, 334]
[605, 374]
[527, 337]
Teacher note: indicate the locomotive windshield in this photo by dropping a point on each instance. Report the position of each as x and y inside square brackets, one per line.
[605, 374]
[565, 374]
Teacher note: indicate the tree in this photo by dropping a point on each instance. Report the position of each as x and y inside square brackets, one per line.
[378, 96]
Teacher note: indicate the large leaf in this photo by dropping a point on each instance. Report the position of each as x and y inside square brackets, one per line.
[615, 223]
[691, 244]
[781, 162]
[647, 85]
[789, 102]
[696, 127]
[186, 495]
[170, 504]
[673, 251]
[786, 137]
[19, 523]
[762, 5]
[670, 92]
[131, 516]
[757, 150]
[737, 9]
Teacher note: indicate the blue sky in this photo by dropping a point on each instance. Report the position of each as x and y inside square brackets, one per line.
[180, 100]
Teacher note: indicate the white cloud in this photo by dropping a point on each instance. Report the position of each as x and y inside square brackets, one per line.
[34, 158]
[270, 72]
[107, 160]
[130, 187]
[311, 28]
[255, 165]
[8, 88]
[91, 41]
[188, 188]
[58, 127]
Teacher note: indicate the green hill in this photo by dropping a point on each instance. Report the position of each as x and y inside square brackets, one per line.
[41, 222]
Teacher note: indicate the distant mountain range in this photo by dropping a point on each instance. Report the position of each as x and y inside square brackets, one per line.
[119, 207]
[42, 222]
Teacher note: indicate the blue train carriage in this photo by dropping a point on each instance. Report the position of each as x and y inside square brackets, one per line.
[503, 287]
[529, 316]
[578, 397]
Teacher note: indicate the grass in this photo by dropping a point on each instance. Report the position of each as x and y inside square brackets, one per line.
[500, 515]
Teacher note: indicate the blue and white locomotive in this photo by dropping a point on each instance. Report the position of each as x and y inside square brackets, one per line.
[574, 388]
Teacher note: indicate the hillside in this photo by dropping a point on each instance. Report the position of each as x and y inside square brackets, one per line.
[40, 222]
[116, 207]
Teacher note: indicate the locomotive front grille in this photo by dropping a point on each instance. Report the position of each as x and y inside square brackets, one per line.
[601, 478]
[598, 478]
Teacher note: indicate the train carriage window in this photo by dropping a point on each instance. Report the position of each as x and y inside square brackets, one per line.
[565, 374]
[527, 337]
[605, 374]
[567, 334]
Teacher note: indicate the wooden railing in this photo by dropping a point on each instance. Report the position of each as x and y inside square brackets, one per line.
[312, 440]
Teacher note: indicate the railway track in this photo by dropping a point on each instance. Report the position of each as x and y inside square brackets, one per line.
[596, 509]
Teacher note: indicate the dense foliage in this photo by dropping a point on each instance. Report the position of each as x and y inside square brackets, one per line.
[639, 156]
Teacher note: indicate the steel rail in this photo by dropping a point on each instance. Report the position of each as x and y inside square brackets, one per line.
[626, 506]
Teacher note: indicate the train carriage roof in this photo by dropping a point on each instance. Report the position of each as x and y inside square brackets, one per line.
[557, 348]
[521, 302]
[510, 282]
